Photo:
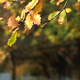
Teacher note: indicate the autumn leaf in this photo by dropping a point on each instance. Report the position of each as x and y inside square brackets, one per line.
[17, 18]
[12, 39]
[79, 1]
[68, 10]
[62, 16]
[23, 14]
[58, 2]
[12, 23]
[6, 5]
[35, 18]
[61, 20]
[32, 19]
[38, 7]
[31, 5]
[1, 1]
[28, 21]
[51, 15]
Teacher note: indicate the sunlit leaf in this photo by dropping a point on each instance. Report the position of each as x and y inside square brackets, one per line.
[18, 18]
[68, 10]
[52, 15]
[12, 23]
[38, 7]
[61, 20]
[1, 1]
[7, 5]
[12, 39]
[63, 14]
[31, 19]
[23, 14]
[31, 5]
[28, 21]
[35, 18]
[78, 0]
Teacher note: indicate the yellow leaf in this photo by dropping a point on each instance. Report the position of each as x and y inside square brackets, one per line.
[68, 10]
[1, 1]
[51, 15]
[17, 18]
[32, 19]
[28, 21]
[38, 7]
[31, 5]
[35, 18]
[79, 1]
[23, 13]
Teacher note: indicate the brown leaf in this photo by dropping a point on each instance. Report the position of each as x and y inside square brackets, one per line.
[35, 18]
[6, 5]
[12, 23]
[61, 20]
[32, 19]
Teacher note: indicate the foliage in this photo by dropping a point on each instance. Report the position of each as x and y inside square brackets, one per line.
[32, 10]
[26, 20]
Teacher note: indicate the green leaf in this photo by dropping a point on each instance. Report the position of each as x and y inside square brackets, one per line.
[12, 39]
[52, 15]
[63, 14]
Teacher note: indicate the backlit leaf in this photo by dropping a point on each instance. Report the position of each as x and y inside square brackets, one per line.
[23, 14]
[28, 21]
[1, 1]
[7, 5]
[63, 14]
[38, 7]
[52, 15]
[31, 5]
[12, 39]
[35, 18]
[78, 0]
[68, 10]
[31, 19]
[12, 23]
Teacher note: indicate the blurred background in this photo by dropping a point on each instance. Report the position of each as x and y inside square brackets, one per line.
[51, 52]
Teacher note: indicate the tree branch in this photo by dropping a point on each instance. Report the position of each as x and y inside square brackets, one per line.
[55, 15]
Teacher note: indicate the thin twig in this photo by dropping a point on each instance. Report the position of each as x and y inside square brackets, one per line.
[56, 14]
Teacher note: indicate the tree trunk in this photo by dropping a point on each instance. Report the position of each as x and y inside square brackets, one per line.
[13, 67]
